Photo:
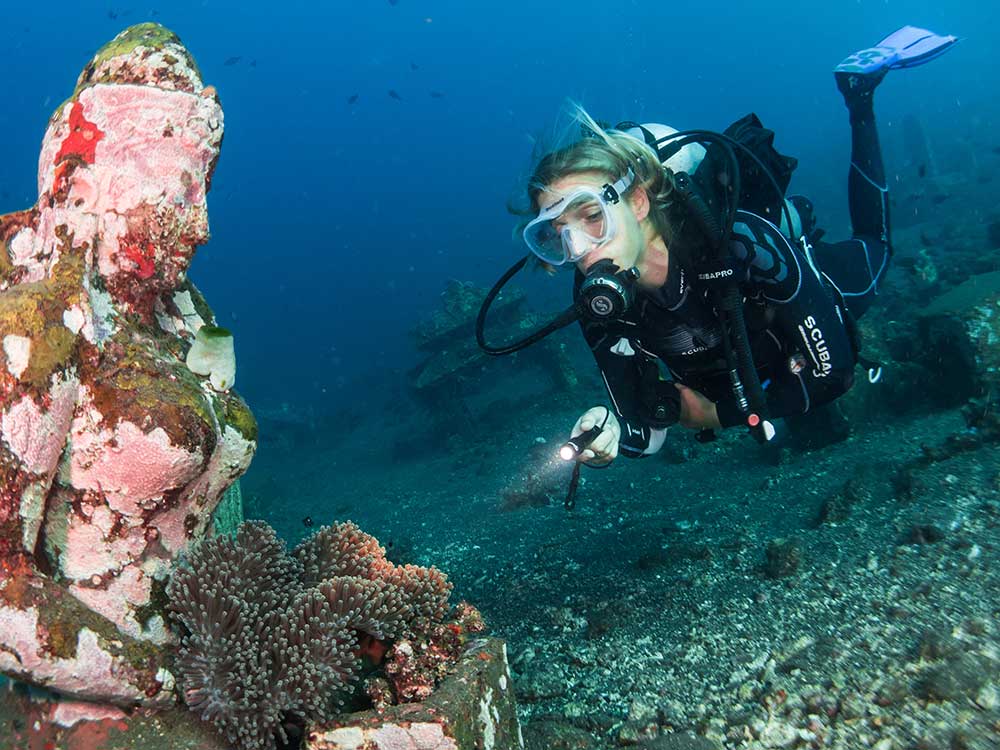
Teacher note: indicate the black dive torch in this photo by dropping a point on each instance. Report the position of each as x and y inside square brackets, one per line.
[571, 451]
[575, 446]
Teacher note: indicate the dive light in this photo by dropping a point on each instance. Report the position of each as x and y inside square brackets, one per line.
[577, 445]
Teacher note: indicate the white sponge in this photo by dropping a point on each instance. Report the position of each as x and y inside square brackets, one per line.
[212, 354]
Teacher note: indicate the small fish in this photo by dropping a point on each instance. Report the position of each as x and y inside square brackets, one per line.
[437, 95]
[394, 95]
[414, 66]
[922, 170]
[253, 63]
[307, 522]
[353, 98]
[233, 60]
[393, 2]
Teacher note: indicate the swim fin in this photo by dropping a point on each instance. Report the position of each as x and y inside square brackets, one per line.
[905, 48]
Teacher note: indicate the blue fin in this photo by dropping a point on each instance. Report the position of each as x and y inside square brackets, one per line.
[905, 48]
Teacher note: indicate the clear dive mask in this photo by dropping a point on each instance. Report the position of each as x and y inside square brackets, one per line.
[577, 223]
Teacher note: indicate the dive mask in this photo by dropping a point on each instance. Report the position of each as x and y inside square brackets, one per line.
[576, 223]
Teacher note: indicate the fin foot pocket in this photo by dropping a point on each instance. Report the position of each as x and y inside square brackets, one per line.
[859, 73]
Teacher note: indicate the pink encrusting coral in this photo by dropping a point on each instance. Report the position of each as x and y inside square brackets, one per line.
[113, 454]
[52, 653]
[34, 432]
[69, 713]
[131, 467]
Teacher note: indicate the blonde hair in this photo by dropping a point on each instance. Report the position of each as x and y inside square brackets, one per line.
[611, 153]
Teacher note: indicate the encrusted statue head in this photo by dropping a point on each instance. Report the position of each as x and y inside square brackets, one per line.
[127, 161]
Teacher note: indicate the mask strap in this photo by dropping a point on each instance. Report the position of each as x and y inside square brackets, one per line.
[613, 193]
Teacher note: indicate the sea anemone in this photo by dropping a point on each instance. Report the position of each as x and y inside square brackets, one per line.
[344, 550]
[269, 636]
[426, 590]
[222, 567]
[340, 550]
[374, 607]
[223, 662]
[317, 646]
[225, 682]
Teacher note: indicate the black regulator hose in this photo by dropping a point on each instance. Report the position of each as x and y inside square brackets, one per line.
[730, 300]
[735, 340]
[570, 315]
[727, 299]
[685, 137]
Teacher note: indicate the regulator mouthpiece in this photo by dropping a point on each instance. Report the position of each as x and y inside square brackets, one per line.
[607, 293]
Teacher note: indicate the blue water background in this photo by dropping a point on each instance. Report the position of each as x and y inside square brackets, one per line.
[335, 225]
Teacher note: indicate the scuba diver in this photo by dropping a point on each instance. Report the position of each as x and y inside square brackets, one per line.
[707, 298]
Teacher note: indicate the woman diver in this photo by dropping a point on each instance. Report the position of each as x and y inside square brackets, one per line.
[689, 259]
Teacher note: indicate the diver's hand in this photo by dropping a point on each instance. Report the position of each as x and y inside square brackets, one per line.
[604, 449]
[697, 412]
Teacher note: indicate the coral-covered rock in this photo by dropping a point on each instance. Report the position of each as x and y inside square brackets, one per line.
[471, 710]
[415, 666]
[113, 453]
[960, 335]
[36, 722]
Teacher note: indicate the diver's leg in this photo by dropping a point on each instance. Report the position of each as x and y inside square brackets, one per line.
[856, 266]
[867, 192]
[857, 78]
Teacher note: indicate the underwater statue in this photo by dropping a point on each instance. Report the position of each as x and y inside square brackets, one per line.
[119, 434]
[113, 451]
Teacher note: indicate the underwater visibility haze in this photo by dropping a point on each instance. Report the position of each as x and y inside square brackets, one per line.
[246, 271]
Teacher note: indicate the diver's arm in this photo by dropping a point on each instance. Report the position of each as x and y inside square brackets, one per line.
[620, 362]
[697, 412]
